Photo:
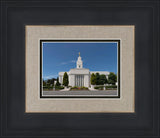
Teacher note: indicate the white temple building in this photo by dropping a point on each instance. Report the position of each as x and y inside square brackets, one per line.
[80, 76]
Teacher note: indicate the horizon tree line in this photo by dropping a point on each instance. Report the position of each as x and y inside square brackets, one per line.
[97, 79]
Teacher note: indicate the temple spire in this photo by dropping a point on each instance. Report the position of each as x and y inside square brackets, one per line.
[79, 62]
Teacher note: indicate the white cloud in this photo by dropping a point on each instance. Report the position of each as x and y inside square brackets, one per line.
[68, 62]
[73, 61]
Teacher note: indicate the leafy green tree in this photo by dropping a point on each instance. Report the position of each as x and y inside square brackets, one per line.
[57, 83]
[44, 83]
[65, 79]
[103, 79]
[48, 85]
[48, 81]
[93, 79]
[97, 79]
[112, 78]
[52, 81]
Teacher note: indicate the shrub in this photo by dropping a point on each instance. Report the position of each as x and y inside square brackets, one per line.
[99, 87]
[79, 88]
[111, 87]
[59, 87]
[74, 87]
[107, 87]
[47, 87]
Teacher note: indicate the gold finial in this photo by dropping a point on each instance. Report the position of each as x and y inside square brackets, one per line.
[79, 53]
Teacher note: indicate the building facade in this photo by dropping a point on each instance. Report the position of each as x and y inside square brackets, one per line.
[80, 76]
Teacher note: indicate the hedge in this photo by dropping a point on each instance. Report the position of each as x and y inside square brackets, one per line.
[59, 87]
[79, 88]
[107, 87]
[112, 86]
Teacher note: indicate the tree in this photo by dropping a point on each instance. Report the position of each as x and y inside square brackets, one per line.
[52, 81]
[97, 79]
[44, 83]
[112, 78]
[93, 79]
[103, 79]
[57, 83]
[49, 81]
[65, 79]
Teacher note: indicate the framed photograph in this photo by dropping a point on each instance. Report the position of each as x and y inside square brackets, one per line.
[80, 69]
[79, 81]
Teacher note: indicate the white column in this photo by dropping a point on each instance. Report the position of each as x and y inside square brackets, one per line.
[83, 80]
[76, 81]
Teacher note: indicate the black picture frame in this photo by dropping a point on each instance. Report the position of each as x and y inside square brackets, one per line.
[144, 14]
[118, 61]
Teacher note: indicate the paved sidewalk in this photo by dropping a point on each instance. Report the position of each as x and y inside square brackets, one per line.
[81, 93]
[65, 89]
[92, 89]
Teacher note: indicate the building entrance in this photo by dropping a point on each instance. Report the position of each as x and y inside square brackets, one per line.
[79, 80]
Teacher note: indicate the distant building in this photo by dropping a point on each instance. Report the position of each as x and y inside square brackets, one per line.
[80, 76]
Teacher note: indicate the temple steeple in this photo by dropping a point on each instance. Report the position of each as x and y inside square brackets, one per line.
[79, 62]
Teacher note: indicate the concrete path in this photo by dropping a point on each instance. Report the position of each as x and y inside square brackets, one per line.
[65, 89]
[92, 89]
[81, 93]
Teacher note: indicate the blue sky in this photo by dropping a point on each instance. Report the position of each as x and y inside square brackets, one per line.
[58, 56]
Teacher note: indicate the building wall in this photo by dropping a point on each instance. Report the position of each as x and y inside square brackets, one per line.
[86, 81]
[61, 79]
[71, 80]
